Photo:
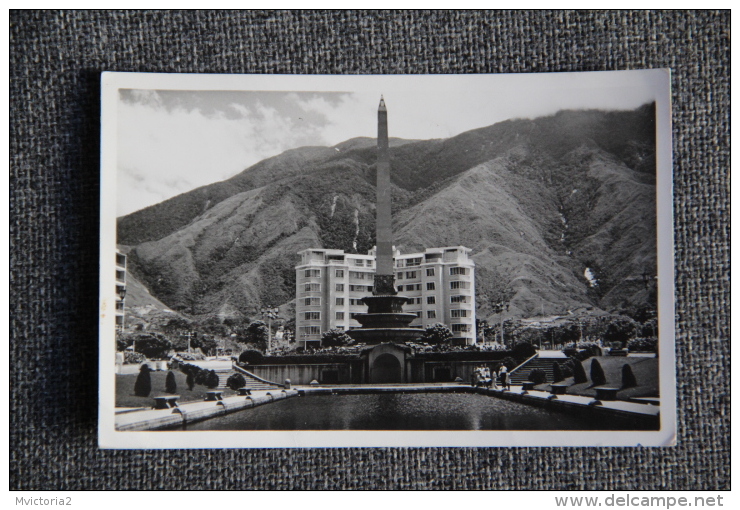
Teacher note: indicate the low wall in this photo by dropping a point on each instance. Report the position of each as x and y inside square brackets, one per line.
[304, 373]
[423, 371]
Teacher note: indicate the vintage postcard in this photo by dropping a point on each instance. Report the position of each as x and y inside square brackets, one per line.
[451, 260]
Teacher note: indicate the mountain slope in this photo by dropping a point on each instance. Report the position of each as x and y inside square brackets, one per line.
[539, 201]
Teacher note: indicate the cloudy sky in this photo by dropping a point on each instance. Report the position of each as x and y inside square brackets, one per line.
[172, 141]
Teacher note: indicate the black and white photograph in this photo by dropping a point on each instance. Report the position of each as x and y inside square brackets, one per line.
[386, 260]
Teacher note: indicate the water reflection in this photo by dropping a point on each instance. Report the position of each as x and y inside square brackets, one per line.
[396, 411]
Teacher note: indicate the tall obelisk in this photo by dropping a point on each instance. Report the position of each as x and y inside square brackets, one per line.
[384, 278]
[385, 320]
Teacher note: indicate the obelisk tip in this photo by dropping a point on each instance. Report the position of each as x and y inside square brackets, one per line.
[381, 106]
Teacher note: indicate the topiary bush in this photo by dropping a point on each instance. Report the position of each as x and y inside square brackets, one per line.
[557, 373]
[567, 369]
[510, 363]
[579, 373]
[143, 385]
[190, 381]
[212, 379]
[251, 357]
[236, 381]
[598, 377]
[335, 338]
[170, 384]
[628, 377]
[537, 376]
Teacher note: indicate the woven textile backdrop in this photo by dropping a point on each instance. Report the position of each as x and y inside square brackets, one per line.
[55, 62]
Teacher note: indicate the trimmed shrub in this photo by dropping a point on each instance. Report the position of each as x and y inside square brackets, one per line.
[190, 381]
[628, 377]
[537, 376]
[208, 378]
[236, 381]
[567, 369]
[335, 338]
[598, 377]
[557, 373]
[523, 350]
[643, 345]
[143, 385]
[251, 357]
[131, 358]
[510, 363]
[170, 384]
[436, 334]
[579, 373]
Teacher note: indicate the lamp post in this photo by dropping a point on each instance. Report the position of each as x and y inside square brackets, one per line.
[121, 291]
[189, 335]
[499, 307]
[270, 313]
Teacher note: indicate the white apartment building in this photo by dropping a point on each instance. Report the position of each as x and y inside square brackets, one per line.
[331, 283]
[120, 289]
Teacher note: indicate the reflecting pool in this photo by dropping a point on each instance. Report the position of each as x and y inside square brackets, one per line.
[400, 411]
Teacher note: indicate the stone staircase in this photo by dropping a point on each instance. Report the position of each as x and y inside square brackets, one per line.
[521, 373]
[253, 382]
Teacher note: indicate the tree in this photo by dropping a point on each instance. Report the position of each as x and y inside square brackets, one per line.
[143, 385]
[257, 334]
[236, 381]
[620, 329]
[523, 350]
[251, 357]
[597, 373]
[436, 334]
[152, 345]
[335, 338]
[170, 384]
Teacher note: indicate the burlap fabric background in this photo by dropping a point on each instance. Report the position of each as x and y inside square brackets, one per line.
[55, 61]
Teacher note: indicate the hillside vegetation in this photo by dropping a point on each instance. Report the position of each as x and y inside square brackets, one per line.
[542, 203]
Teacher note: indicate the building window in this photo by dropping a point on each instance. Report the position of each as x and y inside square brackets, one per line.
[339, 273]
[460, 328]
[312, 273]
[458, 299]
[312, 301]
[459, 270]
[355, 302]
[354, 315]
[358, 288]
[399, 276]
[339, 287]
[369, 263]
[459, 285]
[431, 300]
[313, 287]
[418, 301]
[413, 262]
[313, 316]
[430, 286]
[357, 274]
[359, 262]
[310, 330]
[430, 271]
[400, 288]
[418, 314]
[431, 314]
[456, 314]
[340, 301]
[340, 316]
[410, 274]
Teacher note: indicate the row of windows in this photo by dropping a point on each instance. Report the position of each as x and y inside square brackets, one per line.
[358, 275]
[460, 328]
[339, 273]
[431, 300]
[312, 316]
[310, 330]
[430, 272]
[312, 273]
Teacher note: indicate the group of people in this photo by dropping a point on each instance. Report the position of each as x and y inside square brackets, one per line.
[482, 377]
